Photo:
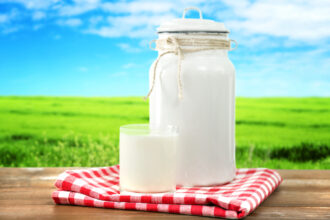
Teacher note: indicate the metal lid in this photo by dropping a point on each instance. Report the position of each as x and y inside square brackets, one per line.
[192, 25]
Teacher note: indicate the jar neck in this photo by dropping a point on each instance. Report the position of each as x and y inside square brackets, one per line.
[198, 36]
[195, 35]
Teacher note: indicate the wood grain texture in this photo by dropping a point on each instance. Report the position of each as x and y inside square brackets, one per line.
[25, 194]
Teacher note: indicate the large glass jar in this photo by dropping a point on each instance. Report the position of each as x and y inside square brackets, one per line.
[193, 87]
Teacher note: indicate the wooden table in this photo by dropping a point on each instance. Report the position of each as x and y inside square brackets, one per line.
[26, 193]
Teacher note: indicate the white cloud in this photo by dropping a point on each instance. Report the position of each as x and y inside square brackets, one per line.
[285, 73]
[303, 20]
[134, 26]
[297, 20]
[153, 7]
[3, 18]
[129, 48]
[33, 4]
[144, 43]
[95, 20]
[9, 30]
[37, 27]
[139, 6]
[71, 22]
[78, 7]
[139, 19]
[7, 17]
[38, 15]
[6, 21]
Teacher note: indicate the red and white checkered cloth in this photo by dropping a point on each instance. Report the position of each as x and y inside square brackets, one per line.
[99, 187]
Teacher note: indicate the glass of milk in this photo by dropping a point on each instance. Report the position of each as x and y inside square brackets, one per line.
[147, 158]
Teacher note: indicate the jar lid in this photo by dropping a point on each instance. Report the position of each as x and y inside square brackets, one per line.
[192, 25]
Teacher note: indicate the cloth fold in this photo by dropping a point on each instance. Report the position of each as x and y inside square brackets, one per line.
[99, 187]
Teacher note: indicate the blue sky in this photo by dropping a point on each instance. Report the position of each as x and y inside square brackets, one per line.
[100, 48]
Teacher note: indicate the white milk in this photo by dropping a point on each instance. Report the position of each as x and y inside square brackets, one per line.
[193, 62]
[147, 162]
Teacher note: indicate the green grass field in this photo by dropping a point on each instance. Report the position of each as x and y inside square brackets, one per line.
[289, 133]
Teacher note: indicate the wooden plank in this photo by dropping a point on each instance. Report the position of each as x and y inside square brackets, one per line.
[298, 199]
[16, 202]
[304, 185]
[304, 174]
[75, 212]
[39, 181]
[24, 194]
[32, 171]
[286, 213]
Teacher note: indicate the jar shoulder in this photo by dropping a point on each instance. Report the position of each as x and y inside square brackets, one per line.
[201, 62]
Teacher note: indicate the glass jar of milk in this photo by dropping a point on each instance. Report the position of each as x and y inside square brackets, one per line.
[147, 158]
[192, 86]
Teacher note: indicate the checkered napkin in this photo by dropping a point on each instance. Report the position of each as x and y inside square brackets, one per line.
[99, 187]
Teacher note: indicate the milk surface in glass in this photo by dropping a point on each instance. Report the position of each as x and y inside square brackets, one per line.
[147, 159]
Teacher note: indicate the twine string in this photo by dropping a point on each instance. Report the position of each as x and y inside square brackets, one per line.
[179, 45]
